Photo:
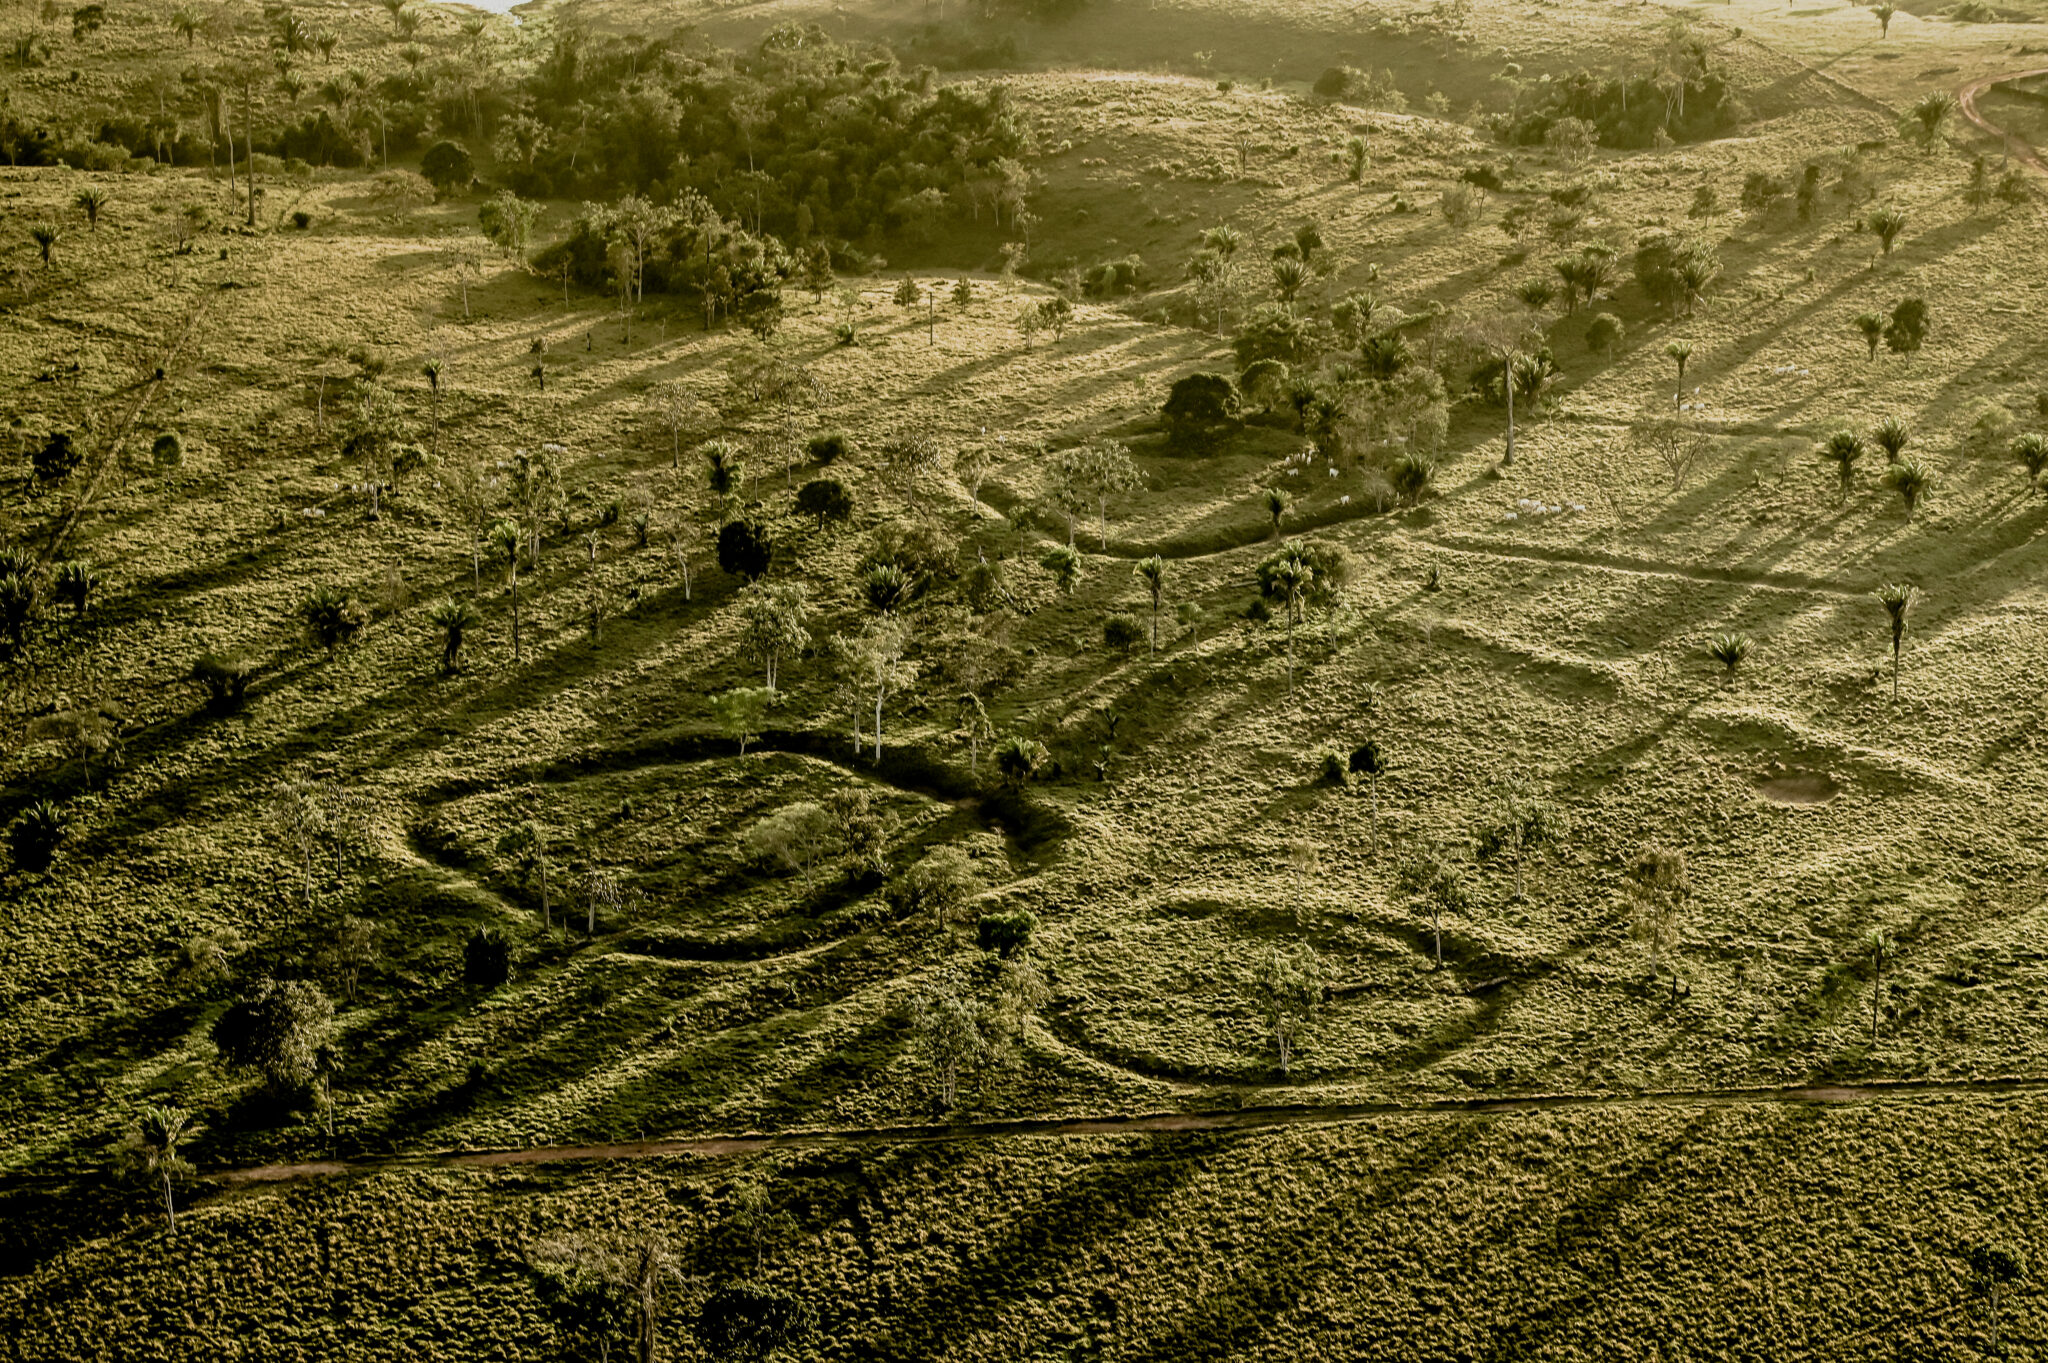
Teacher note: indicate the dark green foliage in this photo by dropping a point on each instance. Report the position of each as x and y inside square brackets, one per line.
[74, 582]
[1006, 932]
[486, 959]
[1331, 771]
[1274, 333]
[886, 588]
[750, 1323]
[35, 836]
[276, 1031]
[1906, 329]
[1201, 406]
[1122, 632]
[448, 166]
[1630, 113]
[1019, 759]
[225, 676]
[21, 598]
[825, 498]
[1604, 333]
[1411, 476]
[745, 549]
[1368, 760]
[332, 616]
[168, 450]
[454, 618]
[57, 459]
[832, 445]
[1114, 277]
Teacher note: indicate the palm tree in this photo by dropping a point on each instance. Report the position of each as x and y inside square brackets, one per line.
[1890, 435]
[1277, 502]
[1152, 571]
[152, 1151]
[1930, 113]
[2032, 452]
[1535, 293]
[1909, 478]
[1887, 222]
[1290, 277]
[723, 467]
[1870, 327]
[504, 537]
[46, 235]
[453, 618]
[1291, 579]
[1729, 649]
[1843, 449]
[1881, 946]
[1884, 15]
[186, 23]
[431, 371]
[1897, 598]
[1680, 352]
[91, 201]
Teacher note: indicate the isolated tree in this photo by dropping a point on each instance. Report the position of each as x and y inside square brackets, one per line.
[1909, 478]
[745, 548]
[1605, 334]
[827, 499]
[226, 677]
[939, 885]
[2031, 450]
[797, 836]
[1729, 649]
[947, 1026]
[152, 1153]
[453, 619]
[275, 1031]
[1870, 327]
[1925, 120]
[1276, 502]
[1884, 13]
[351, 951]
[601, 893]
[1287, 577]
[774, 620]
[1994, 1270]
[298, 817]
[1658, 886]
[432, 372]
[46, 236]
[1506, 338]
[506, 538]
[1887, 222]
[1108, 471]
[1289, 985]
[1200, 407]
[1677, 444]
[1370, 761]
[1054, 314]
[738, 713]
[1064, 563]
[974, 727]
[1890, 435]
[1897, 599]
[1152, 572]
[526, 843]
[1520, 823]
[91, 201]
[1881, 947]
[1843, 449]
[73, 582]
[1440, 884]
[1906, 329]
[876, 668]
[1679, 352]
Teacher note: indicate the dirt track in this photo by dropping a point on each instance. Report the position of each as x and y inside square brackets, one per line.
[1966, 100]
[1165, 1123]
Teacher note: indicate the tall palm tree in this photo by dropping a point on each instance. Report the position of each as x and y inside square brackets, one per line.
[1897, 598]
[1843, 449]
[431, 371]
[1277, 502]
[505, 539]
[453, 618]
[1152, 572]
[153, 1153]
[1291, 580]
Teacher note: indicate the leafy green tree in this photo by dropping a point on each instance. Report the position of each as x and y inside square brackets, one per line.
[1200, 407]
[774, 616]
[1605, 334]
[1064, 563]
[797, 836]
[827, 499]
[745, 548]
[152, 1153]
[1054, 314]
[1910, 479]
[1152, 571]
[1897, 599]
[1994, 1272]
[526, 843]
[950, 1040]
[876, 669]
[448, 167]
[1658, 886]
[938, 885]
[453, 619]
[1906, 329]
[1843, 449]
[1440, 884]
[738, 713]
[1521, 823]
[1289, 985]
[276, 1031]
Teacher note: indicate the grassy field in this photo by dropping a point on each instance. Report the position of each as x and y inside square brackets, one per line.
[1477, 641]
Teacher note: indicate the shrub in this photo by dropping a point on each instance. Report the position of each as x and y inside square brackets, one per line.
[168, 451]
[1005, 933]
[940, 884]
[1123, 632]
[486, 959]
[277, 1031]
[1334, 770]
[1019, 759]
[1907, 328]
[448, 167]
[825, 498]
[57, 459]
[1200, 406]
[1604, 333]
[225, 676]
[826, 448]
[332, 617]
[36, 835]
[745, 549]
[1729, 649]
[1411, 475]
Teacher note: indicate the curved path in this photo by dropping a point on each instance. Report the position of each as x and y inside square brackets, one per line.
[1158, 1123]
[1966, 101]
